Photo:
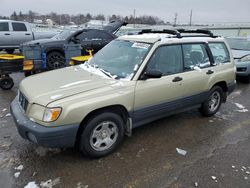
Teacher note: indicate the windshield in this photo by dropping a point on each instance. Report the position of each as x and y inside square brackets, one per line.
[120, 59]
[239, 43]
[63, 35]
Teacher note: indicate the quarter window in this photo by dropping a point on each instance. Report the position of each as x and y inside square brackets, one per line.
[4, 26]
[19, 27]
[195, 55]
[219, 52]
[167, 59]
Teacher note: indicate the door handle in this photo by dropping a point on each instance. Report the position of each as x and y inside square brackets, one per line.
[27, 33]
[6, 34]
[177, 79]
[210, 72]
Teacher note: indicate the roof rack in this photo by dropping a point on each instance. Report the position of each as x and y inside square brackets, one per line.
[178, 32]
[199, 31]
[167, 31]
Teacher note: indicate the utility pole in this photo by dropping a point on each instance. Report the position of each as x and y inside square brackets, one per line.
[60, 19]
[191, 15]
[175, 19]
[134, 18]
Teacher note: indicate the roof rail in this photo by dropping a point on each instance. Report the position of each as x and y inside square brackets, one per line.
[199, 31]
[166, 31]
[178, 32]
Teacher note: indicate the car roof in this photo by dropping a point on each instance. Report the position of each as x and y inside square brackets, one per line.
[12, 21]
[169, 38]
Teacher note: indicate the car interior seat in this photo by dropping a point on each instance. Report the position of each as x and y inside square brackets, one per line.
[196, 57]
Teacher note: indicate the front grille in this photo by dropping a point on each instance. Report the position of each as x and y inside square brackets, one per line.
[23, 101]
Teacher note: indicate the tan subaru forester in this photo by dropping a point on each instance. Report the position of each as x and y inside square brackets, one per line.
[134, 80]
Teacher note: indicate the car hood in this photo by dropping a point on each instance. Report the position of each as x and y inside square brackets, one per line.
[54, 85]
[114, 25]
[43, 42]
[238, 54]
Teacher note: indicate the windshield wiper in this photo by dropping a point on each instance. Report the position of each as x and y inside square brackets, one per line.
[102, 70]
[105, 72]
[237, 49]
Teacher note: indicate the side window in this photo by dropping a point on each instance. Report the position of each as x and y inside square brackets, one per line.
[195, 55]
[19, 27]
[101, 35]
[86, 35]
[219, 52]
[4, 26]
[167, 59]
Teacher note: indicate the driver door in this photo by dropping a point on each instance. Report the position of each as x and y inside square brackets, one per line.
[156, 97]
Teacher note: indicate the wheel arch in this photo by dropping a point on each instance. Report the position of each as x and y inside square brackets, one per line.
[117, 109]
[224, 87]
[51, 50]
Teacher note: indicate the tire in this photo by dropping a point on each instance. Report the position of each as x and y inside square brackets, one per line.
[213, 103]
[10, 51]
[55, 60]
[247, 79]
[102, 135]
[6, 83]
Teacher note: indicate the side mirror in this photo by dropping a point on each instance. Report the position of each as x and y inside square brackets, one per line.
[151, 74]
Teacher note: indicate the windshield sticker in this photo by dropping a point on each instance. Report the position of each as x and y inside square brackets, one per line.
[140, 45]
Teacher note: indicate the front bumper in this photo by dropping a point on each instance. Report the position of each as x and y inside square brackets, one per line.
[242, 69]
[60, 137]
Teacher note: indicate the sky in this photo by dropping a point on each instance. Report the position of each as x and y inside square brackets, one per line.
[204, 11]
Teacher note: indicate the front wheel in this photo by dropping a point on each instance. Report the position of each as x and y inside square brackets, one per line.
[213, 103]
[6, 82]
[102, 135]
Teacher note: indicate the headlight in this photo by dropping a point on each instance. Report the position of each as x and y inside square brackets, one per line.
[245, 58]
[51, 114]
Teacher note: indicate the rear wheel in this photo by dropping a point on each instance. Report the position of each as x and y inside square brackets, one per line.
[55, 60]
[6, 82]
[213, 103]
[102, 135]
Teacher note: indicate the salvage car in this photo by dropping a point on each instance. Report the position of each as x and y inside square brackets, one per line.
[49, 54]
[14, 33]
[133, 80]
[241, 51]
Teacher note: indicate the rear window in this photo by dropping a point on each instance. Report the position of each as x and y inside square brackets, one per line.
[19, 27]
[219, 52]
[4, 26]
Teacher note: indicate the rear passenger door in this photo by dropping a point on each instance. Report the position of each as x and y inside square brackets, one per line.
[5, 34]
[101, 39]
[198, 69]
[20, 33]
[94, 39]
[183, 84]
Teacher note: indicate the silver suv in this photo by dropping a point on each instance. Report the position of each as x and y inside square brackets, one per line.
[134, 80]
